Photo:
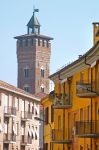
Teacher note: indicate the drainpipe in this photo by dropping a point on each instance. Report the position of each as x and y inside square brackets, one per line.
[43, 123]
[63, 114]
[91, 97]
[64, 123]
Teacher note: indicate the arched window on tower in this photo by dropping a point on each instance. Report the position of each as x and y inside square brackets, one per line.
[26, 72]
[42, 72]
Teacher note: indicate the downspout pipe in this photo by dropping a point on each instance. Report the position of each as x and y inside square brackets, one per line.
[63, 113]
[91, 97]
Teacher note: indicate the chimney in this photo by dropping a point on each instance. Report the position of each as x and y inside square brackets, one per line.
[95, 32]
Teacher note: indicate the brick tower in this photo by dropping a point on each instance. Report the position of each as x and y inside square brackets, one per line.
[33, 57]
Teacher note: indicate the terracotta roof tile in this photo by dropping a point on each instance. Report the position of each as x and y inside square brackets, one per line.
[41, 95]
[9, 87]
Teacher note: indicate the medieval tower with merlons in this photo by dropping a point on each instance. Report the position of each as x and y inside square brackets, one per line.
[33, 58]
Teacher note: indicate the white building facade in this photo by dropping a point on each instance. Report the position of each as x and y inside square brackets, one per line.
[18, 128]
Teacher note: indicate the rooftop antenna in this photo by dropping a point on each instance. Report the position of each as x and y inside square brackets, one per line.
[33, 8]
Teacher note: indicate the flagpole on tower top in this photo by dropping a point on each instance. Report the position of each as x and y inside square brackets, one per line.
[35, 10]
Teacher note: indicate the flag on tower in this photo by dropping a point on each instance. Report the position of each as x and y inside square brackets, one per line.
[36, 10]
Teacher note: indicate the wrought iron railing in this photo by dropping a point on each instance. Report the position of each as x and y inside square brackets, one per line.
[8, 110]
[9, 137]
[26, 115]
[85, 87]
[62, 101]
[87, 128]
[59, 136]
[26, 139]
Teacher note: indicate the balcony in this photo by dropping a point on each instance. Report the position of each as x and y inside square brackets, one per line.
[9, 138]
[26, 115]
[9, 111]
[87, 129]
[62, 101]
[58, 136]
[86, 89]
[26, 140]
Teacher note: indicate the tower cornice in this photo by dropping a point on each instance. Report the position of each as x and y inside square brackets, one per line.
[33, 36]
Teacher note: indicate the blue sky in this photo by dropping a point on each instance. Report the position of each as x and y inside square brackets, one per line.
[68, 22]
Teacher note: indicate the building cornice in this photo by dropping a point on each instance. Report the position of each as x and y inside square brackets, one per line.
[33, 36]
[91, 56]
[7, 87]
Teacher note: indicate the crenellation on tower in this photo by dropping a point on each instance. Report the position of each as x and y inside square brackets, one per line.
[33, 58]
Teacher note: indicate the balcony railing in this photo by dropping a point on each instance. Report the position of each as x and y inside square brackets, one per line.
[62, 101]
[86, 89]
[26, 115]
[9, 137]
[87, 129]
[25, 140]
[58, 136]
[9, 111]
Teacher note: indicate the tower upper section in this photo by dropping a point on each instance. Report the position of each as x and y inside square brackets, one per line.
[33, 25]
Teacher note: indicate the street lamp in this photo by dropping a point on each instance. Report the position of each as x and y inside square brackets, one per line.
[39, 119]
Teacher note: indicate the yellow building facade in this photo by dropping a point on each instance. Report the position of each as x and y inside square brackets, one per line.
[75, 101]
[48, 114]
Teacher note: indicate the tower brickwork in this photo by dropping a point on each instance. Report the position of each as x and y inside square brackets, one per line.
[33, 57]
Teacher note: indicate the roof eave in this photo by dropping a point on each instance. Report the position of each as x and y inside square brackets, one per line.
[70, 65]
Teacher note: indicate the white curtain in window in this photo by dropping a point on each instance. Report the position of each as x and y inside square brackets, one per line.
[29, 131]
[5, 103]
[0, 127]
[22, 129]
[36, 108]
[22, 108]
[5, 127]
[6, 100]
[33, 132]
[36, 131]
[16, 103]
[14, 129]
